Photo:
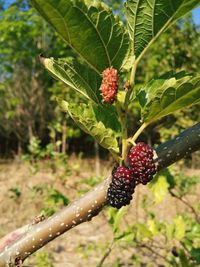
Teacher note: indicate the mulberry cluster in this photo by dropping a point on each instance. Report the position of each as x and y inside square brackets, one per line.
[109, 85]
[124, 179]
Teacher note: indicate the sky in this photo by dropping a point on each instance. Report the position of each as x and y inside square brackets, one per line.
[196, 12]
[196, 15]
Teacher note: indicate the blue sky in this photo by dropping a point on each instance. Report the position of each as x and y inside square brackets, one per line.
[196, 15]
[196, 12]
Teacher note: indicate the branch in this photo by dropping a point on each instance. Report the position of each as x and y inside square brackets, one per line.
[90, 205]
[184, 144]
[180, 198]
[107, 253]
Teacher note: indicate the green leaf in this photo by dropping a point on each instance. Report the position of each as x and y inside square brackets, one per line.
[91, 31]
[159, 186]
[120, 214]
[183, 259]
[143, 231]
[77, 76]
[194, 233]
[169, 177]
[153, 227]
[147, 19]
[55, 196]
[195, 252]
[100, 122]
[127, 236]
[169, 231]
[163, 96]
[180, 227]
[116, 218]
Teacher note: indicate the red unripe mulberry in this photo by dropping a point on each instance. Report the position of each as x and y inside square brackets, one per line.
[109, 85]
[141, 163]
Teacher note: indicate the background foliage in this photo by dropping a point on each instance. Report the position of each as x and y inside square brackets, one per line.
[23, 79]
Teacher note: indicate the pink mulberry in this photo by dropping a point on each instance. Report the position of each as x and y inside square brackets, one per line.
[109, 85]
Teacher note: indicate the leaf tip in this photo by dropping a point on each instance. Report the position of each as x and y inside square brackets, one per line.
[46, 62]
[42, 59]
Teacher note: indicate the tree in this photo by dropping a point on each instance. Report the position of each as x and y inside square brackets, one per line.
[26, 101]
[28, 93]
[105, 46]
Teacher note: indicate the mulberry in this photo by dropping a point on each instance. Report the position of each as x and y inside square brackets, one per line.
[141, 163]
[121, 187]
[109, 85]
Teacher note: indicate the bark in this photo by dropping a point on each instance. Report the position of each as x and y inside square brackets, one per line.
[64, 137]
[97, 158]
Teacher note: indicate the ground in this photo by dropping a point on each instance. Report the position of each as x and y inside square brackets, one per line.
[25, 190]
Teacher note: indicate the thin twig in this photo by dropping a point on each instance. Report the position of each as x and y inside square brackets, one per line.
[107, 253]
[153, 251]
[136, 135]
[180, 198]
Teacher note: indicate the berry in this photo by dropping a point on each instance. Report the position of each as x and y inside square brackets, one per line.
[121, 187]
[109, 85]
[141, 163]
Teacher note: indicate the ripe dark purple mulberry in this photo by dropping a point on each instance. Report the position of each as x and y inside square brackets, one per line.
[121, 187]
[109, 85]
[141, 163]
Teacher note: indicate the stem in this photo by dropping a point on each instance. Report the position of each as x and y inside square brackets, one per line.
[154, 252]
[123, 120]
[136, 135]
[197, 218]
[188, 252]
[125, 144]
[133, 72]
[132, 83]
[124, 149]
[107, 253]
